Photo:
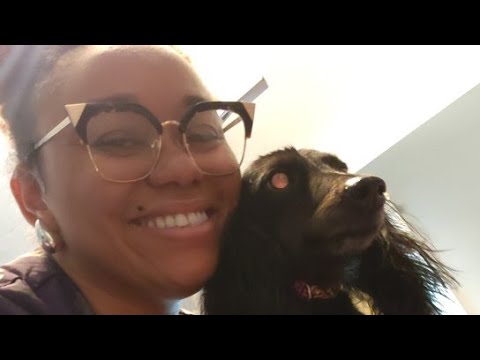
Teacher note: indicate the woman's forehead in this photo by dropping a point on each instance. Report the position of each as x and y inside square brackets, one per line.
[100, 70]
[157, 76]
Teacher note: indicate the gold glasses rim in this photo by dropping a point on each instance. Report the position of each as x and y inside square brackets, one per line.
[76, 111]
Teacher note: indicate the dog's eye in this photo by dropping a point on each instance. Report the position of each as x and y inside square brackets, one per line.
[279, 181]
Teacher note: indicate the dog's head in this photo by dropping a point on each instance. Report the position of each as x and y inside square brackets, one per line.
[303, 217]
[333, 212]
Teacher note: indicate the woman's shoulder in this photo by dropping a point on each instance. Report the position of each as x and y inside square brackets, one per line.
[34, 284]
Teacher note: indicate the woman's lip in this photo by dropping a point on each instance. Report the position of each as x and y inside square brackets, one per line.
[144, 219]
[174, 208]
[196, 234]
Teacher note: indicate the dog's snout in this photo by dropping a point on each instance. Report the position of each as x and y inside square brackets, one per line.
[367, 190]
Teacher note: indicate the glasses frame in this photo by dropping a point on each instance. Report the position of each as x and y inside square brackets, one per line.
[80, 114]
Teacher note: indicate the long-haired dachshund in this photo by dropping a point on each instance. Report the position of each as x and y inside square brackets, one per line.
[310, 238]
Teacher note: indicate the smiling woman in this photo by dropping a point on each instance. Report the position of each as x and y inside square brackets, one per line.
[128, 197]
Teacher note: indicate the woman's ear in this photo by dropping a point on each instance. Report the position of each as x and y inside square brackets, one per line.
[28, 193]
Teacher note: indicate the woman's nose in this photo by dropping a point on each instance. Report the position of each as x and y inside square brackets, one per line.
[174, 165]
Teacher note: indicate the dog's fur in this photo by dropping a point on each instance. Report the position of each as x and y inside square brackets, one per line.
[329, 229]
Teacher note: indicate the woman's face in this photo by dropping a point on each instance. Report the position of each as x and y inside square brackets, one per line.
[97, 219]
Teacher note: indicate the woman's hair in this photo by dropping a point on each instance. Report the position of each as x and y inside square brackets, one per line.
[24, 69]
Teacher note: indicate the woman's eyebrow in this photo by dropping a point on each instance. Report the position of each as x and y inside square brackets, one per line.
[118, 99]
[187, 101]
[190, 100]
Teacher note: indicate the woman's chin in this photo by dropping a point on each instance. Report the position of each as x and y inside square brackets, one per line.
[188, 279]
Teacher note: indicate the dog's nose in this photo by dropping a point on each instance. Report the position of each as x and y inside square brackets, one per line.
[367, 190]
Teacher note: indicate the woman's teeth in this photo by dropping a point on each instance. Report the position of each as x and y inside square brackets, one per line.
[176, 220]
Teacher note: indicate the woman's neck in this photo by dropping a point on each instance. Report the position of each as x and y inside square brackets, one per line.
[107, 296]
[107, 303]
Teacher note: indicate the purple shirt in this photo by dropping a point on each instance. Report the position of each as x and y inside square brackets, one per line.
[34, 284]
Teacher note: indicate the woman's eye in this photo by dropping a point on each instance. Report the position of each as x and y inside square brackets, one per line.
[118, 142]
[203, 133]
[121, 142]
[120, 145]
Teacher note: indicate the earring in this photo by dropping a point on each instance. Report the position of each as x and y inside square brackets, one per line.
[44, 238]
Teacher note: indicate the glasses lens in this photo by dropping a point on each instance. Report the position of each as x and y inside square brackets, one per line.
[123, 144]
[216, 141]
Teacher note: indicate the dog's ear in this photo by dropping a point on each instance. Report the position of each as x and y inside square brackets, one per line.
[400, 271]
[335, 163]
[249, 273]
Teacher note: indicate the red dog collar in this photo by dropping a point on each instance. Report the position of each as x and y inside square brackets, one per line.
[310, 292]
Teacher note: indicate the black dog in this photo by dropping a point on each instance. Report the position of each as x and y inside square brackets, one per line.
[309, 238]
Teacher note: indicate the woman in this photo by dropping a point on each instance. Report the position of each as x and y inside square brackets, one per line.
[127, 168]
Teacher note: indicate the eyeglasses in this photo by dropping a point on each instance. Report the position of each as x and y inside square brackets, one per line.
[124, 140]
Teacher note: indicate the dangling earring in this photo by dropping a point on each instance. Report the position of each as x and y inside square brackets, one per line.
[44, 238]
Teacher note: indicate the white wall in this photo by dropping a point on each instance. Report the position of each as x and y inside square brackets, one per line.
[433, 174]
[353, 100]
